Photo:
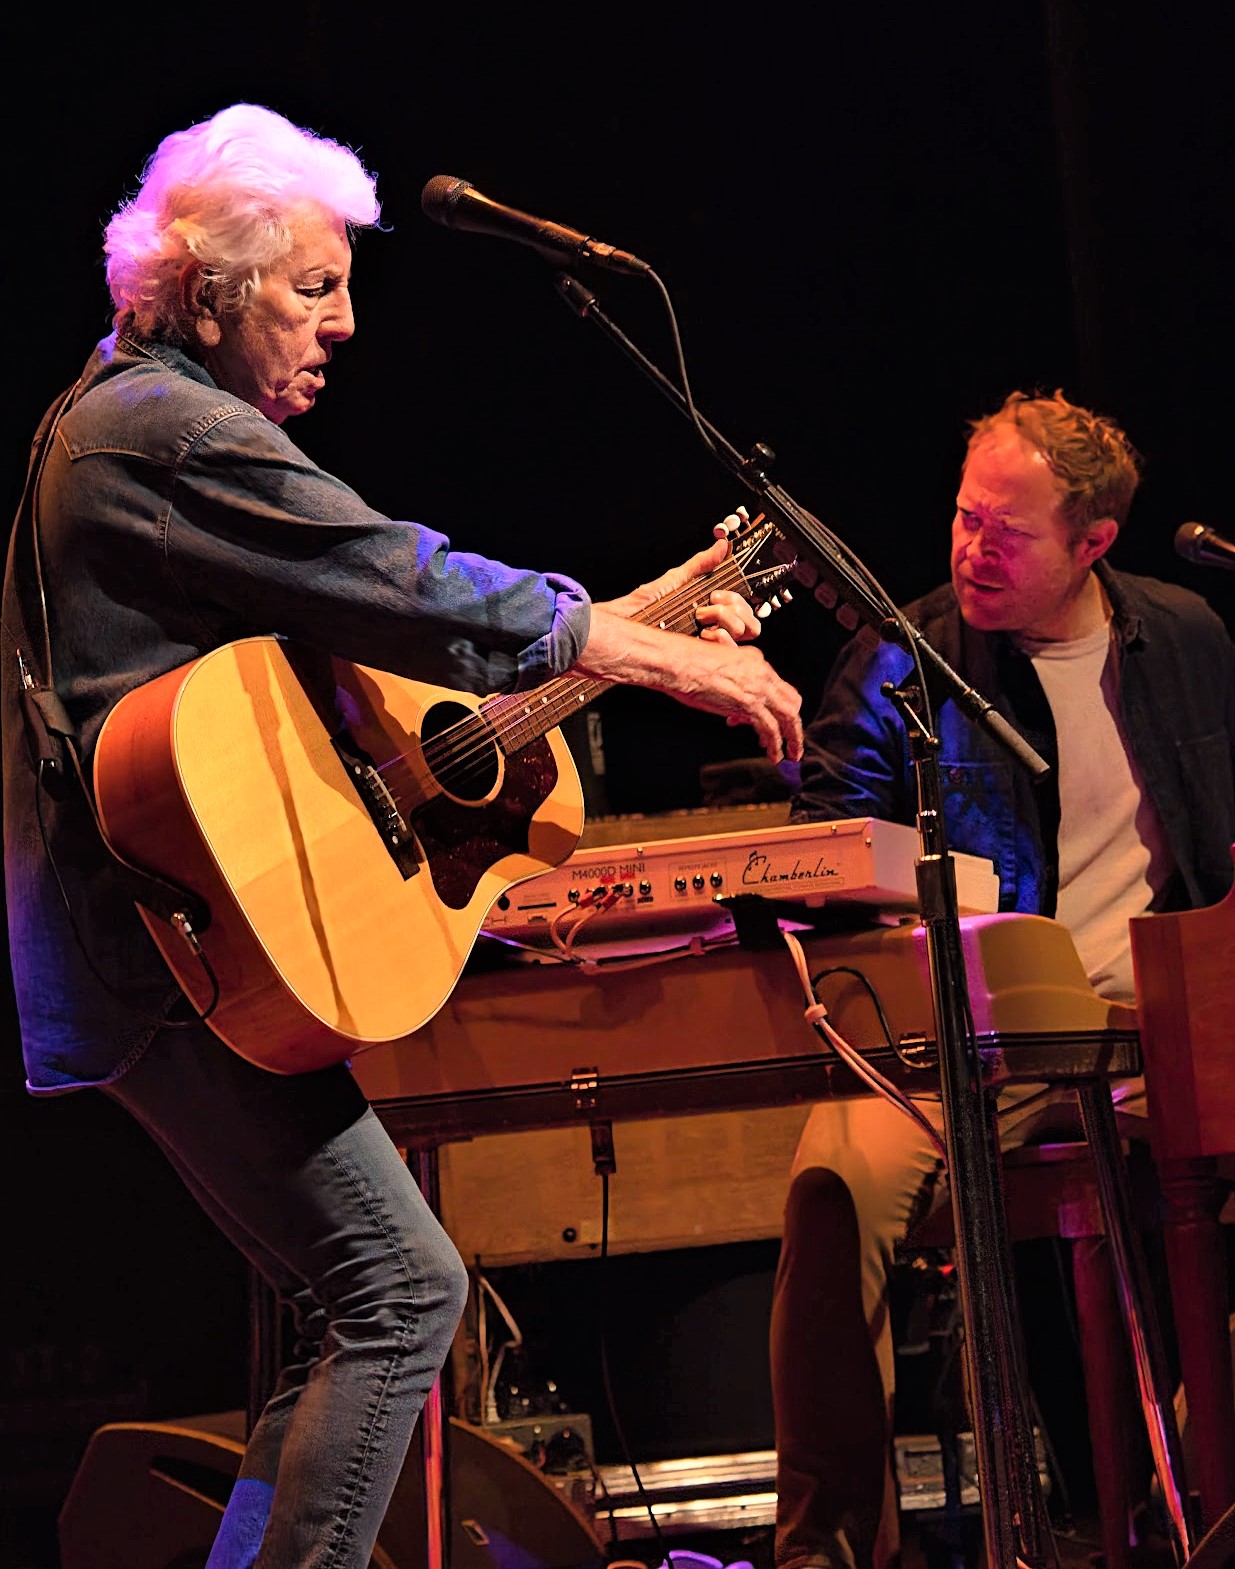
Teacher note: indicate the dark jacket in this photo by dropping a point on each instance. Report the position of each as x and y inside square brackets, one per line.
[1177, 692]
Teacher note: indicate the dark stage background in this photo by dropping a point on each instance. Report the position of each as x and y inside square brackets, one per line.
[872, 222]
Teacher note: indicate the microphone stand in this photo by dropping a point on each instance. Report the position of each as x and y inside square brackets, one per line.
[1016, 1527]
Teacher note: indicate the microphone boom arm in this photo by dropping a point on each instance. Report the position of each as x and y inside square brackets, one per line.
[862, 599]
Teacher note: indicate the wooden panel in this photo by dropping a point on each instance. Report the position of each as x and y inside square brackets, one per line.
[534, 1025]
[1185, 984]
[517, 1198]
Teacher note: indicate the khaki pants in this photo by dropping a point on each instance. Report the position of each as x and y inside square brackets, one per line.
[863, 1173]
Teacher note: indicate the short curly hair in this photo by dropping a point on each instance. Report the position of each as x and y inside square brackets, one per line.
[1089, 455]
[219, 198]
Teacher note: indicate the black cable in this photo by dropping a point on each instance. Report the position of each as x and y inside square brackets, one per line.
[859, 975]
[840, 563]
[641, 1492]
[680, 358]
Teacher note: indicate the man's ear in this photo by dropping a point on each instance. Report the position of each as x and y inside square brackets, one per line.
[1096, 540]
[198, 299]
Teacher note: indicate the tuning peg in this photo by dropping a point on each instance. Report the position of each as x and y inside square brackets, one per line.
[756, 466]
[763, 611]
[786, 596]
[736, 521]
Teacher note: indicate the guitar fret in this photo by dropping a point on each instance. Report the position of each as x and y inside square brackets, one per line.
[516, 721]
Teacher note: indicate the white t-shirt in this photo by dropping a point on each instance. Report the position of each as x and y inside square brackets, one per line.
[1113, 854]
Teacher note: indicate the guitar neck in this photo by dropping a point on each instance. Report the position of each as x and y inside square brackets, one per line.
[517, 719]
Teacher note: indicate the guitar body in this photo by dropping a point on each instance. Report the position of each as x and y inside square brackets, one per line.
[223, 777]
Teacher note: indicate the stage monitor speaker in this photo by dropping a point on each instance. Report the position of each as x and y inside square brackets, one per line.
[151, 1495]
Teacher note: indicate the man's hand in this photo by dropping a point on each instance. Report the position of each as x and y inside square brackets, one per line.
[713, 674]
[710, 671]
[725, 617]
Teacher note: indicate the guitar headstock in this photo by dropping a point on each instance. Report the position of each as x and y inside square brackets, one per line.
[764, 559]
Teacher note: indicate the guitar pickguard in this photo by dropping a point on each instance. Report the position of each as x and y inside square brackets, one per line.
[461, 842]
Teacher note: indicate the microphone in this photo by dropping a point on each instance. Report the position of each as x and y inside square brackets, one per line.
[458, 205]
[1195, 542]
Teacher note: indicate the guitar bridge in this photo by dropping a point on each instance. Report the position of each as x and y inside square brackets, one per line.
[381, 806]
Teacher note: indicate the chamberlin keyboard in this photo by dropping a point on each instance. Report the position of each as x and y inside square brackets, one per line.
[655, 888]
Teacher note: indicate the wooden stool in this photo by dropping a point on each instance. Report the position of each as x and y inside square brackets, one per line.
[1185, 1004]
[1050, 1191]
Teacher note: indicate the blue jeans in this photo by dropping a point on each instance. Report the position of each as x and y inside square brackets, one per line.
[299, 1173]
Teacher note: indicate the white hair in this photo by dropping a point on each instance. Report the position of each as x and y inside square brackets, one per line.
[221, 195]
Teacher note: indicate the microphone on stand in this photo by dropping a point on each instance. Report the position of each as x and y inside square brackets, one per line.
[1195, 542]
[458, 205]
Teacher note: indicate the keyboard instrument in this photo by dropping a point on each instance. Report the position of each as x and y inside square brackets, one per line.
[634, 895]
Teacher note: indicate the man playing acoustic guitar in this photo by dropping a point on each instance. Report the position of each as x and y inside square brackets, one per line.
[167, 517]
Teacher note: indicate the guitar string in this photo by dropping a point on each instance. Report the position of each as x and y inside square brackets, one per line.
[472, 742]
[474, 736]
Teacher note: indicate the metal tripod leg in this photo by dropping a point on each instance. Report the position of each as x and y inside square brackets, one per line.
[1136, 1304]
[1016, 1527]
[423, 1163]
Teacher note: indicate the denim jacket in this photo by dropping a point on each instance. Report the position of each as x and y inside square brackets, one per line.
[1177, 697]
[174, 518]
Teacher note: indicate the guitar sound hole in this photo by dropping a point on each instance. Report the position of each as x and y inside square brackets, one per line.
[460, 751]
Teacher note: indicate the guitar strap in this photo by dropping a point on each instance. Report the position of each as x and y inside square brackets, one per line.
[50, 734]
[48, 728]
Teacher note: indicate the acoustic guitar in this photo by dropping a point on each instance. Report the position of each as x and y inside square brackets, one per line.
[347, 829]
